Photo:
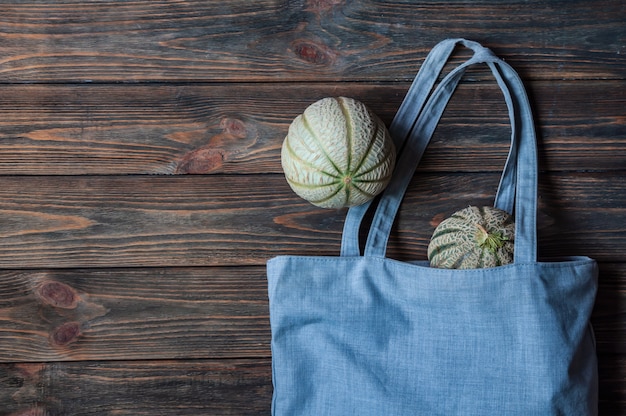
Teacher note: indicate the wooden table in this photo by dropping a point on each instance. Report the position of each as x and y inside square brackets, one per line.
[141, 191]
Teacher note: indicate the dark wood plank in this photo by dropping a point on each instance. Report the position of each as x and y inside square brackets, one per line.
[578, 214]
[167, 129]
[224, 387]
[97, 316]
[299, 40]
[612, 391]
[181, 387]
[226, 220]
[133, 314]
[610, 309]
[179, 313]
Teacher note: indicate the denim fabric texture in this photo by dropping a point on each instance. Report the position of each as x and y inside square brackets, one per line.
[363, 334]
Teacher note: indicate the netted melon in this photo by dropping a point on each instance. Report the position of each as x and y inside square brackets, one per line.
[337, 153]
[473, 238]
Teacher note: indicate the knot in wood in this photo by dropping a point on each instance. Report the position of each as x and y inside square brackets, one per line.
[234, 127]
[65, 334]
[58, 294]
[320, 6]
[437, 219]
[313, 52]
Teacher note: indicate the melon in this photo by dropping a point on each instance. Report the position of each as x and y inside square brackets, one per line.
[472, 238]
[337, 153]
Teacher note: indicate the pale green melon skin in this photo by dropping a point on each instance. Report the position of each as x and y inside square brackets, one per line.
[337, 154]
[454, 243]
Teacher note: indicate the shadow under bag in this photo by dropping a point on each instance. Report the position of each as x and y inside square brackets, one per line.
[362, 334]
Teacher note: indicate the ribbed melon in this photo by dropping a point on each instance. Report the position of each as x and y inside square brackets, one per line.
[337, 153]
[473, 238]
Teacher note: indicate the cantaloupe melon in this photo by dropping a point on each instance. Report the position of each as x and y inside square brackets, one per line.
[338, 153]
[474, 237]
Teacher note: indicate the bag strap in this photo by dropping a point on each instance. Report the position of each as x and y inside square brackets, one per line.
[402, 125]
[517, 186]
[400, 128]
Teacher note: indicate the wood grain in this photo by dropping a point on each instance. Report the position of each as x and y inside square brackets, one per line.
[612, 395]
[282, 40]
[179, 313]
[180, 221]
[133, 314]
[189, 387]
[141, 191]
[122, 129]
[608, 315]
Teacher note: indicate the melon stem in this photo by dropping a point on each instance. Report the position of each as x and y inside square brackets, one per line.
[490, 241]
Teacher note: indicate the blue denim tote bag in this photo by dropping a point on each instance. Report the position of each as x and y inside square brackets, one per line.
[363, 334]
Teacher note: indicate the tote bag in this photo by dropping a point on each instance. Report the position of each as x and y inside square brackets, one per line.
[363, 334]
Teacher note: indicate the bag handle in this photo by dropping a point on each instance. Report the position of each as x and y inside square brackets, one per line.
[518, 184]
[405, 120]
[399, 129]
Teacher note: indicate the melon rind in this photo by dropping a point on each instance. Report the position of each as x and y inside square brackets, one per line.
[337, 154]
[454, 244]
